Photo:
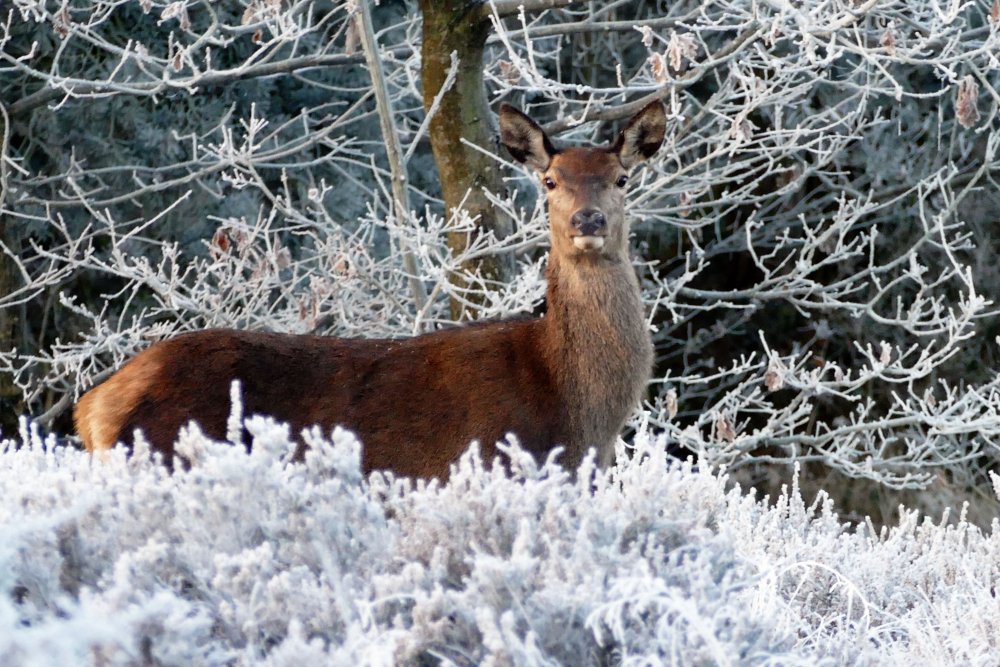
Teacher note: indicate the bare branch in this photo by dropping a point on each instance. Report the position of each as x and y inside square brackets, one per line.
[76, 88]
[694, 75]
[393, 150]
[513, 7]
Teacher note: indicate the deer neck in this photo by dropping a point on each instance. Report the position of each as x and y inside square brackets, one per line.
[597, 338]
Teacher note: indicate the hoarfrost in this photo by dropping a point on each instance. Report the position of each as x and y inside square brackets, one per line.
[251, 558]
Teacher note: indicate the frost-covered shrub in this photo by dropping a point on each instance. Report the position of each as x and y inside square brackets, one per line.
[250, 558]
[207, 564]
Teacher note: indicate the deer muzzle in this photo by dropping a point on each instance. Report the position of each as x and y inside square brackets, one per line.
[590, 226]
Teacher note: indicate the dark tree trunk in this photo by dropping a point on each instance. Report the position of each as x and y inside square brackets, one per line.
[459, 26]
[10, 395]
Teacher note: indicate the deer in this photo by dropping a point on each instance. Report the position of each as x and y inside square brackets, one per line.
[569, 378]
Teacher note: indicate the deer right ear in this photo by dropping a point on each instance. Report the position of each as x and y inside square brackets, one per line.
[524, 139]
[642, 136]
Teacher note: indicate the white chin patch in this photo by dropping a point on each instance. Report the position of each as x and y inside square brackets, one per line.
[588, 242]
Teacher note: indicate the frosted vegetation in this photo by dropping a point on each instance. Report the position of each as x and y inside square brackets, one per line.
[815, 244]
[251, 559]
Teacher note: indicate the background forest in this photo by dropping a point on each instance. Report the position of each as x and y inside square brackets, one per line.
[815, 241]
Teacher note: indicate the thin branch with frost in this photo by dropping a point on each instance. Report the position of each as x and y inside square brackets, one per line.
[394, 152]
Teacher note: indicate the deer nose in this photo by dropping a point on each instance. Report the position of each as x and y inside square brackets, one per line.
[589, 222]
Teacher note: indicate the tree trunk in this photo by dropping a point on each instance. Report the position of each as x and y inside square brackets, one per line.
[10, 395]
[459, 26]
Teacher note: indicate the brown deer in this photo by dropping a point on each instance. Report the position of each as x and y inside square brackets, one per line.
[569, 378]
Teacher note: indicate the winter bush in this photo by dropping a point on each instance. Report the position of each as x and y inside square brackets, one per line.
[250, 558]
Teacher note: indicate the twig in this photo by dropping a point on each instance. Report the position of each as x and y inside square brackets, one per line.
[511, 7]
[691, 77]
[580, 28]
[393, 150]
[63, 87]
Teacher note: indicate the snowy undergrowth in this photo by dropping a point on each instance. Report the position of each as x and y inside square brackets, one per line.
[249, 559]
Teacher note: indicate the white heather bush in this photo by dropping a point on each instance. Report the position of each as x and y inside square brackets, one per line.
[249, 558]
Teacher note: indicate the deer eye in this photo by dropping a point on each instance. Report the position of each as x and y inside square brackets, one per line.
[622, 180]
[549, 183]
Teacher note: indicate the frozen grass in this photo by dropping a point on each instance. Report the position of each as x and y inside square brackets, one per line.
[250, 559]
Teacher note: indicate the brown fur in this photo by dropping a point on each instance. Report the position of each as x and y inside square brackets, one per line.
[570, 378]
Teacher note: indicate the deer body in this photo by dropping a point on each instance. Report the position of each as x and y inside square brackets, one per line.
[568, 379]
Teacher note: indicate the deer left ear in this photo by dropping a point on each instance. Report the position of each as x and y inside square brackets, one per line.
[524, 139]
[642, 136]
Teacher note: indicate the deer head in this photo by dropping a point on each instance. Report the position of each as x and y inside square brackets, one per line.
[585, 186]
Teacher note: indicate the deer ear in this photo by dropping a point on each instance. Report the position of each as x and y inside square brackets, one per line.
[524, 139]
[642, 136]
